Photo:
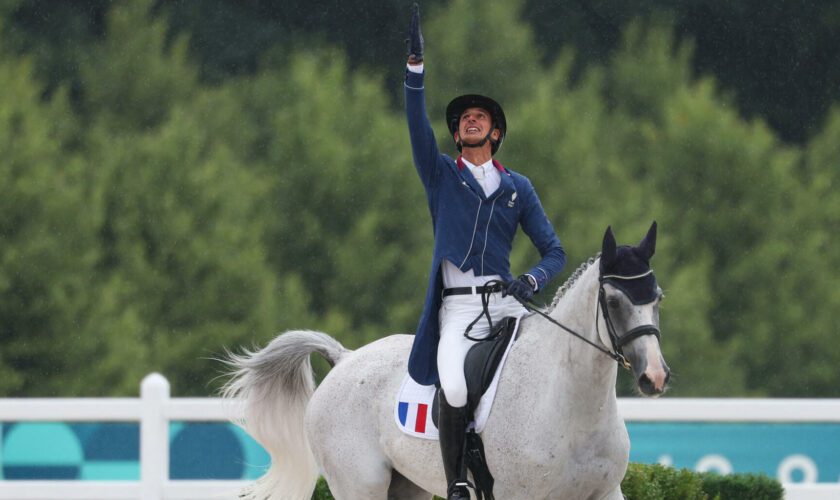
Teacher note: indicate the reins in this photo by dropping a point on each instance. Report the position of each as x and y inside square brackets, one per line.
[534, 307]
[618, 358]
[491, 286]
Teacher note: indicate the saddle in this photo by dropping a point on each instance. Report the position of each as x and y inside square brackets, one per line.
[481, 364]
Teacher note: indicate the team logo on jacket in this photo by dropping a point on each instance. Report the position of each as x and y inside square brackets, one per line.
[512, 199]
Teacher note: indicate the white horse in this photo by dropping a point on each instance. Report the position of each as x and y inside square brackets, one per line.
[554, 430]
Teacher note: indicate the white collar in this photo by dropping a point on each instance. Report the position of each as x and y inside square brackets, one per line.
[486, 166]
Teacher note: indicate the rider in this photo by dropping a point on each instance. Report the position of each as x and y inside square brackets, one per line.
[476, 206]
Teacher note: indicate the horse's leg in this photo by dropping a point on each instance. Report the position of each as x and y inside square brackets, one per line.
[343, 435]
[350, 459]
[358, 482]
[347, 417]
[403, 489]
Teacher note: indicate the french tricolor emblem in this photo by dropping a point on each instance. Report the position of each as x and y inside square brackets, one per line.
[413, 416]
[413, 409]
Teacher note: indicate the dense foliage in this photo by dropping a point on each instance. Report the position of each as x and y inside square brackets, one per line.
[779, 57]
[152, 217]
[742, 486]
[656, 482]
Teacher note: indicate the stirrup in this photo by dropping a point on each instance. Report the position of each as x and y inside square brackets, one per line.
[459, 489]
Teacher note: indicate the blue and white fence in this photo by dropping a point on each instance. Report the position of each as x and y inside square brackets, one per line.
[79, 470]
[161, 448]
[795, 440]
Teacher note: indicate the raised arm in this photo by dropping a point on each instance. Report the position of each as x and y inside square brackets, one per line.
[423, 145]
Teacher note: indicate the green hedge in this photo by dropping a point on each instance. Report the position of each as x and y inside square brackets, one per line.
[747, 486]
[657, 482]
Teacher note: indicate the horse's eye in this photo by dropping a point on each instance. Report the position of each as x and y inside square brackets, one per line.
[613, 302]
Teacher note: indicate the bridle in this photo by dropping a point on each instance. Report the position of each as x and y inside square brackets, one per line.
[617, 341]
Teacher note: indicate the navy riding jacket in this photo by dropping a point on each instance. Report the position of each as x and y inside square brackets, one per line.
[473, 231]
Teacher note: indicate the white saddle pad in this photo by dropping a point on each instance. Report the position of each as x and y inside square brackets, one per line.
[413, 408]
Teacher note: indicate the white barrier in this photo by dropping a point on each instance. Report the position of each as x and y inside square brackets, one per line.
[155, 409]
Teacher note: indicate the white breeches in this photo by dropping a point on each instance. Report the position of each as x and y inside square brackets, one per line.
[456, 312]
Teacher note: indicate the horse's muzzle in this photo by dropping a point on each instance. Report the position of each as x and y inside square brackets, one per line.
[654, 384]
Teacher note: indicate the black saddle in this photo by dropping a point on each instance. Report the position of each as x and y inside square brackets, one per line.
[481, 364]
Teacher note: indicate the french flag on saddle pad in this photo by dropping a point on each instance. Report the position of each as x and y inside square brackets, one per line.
[413, 410]
[415, 416]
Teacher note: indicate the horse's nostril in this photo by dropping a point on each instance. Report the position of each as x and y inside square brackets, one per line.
[667, 377]
[650, 387]
[645, 384]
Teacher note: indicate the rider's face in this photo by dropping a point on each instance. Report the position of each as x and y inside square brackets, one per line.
[474, 125]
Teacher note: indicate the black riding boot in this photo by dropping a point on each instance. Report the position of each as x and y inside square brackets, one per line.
[452, 426]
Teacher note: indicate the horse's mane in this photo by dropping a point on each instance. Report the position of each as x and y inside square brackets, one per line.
[571, 281]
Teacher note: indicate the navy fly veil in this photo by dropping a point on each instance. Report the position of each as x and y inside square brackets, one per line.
[628, 268]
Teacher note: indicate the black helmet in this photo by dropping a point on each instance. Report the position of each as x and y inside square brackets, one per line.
[460, 104]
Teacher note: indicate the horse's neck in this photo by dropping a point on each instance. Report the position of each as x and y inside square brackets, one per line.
[578, 310]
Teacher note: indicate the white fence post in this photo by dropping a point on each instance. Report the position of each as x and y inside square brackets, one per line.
[154, 437]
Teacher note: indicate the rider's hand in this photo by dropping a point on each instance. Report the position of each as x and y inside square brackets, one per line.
[522, 288]
[414, 43]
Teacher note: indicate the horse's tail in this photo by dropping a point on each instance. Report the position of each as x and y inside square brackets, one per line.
[274, 386]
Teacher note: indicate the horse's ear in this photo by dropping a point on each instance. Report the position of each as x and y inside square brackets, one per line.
[608, 249]
[648, 245]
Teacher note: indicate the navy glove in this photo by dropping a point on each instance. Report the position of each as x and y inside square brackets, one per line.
[414, 42]
[522, 288]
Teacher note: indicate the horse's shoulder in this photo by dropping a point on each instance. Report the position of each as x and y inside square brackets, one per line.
[535, 345]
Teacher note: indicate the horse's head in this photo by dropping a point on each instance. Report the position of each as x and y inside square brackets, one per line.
[629, 300]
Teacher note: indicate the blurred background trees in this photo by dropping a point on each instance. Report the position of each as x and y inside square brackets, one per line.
[182, 177]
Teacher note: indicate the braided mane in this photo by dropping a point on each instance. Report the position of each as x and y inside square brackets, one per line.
[571, 281]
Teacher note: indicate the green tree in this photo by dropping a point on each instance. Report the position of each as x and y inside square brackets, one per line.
[183, 271]
[183, 268]
[717, 180]
[160, 220]
[642, 139]
[790, 349]
[473, 47]
[343, 206]
[133, 78]
[47, 238]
